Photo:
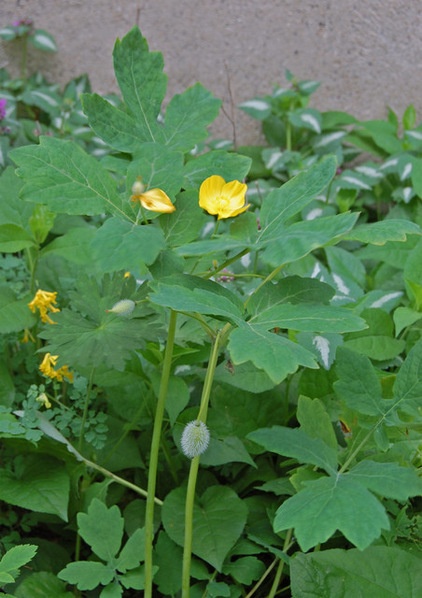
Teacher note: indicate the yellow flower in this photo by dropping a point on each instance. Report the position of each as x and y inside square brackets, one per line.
[47, 368]
[43, 399]
[44, 301]
[222, 199]
[154, 200]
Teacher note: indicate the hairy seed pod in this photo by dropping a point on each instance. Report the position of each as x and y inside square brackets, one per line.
[124, 307]
[195, 439]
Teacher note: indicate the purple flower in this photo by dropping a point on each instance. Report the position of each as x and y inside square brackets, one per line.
[3, 103]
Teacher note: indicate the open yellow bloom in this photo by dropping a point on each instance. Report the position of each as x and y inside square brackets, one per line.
[154, 200]
[222, 199]
[44, 301]
[47, 368]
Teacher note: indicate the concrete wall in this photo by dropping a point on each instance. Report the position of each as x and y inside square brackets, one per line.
[367, 53]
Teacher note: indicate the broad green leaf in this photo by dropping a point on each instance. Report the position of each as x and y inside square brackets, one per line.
[212, 246]
[15, 314]
[315, 421]
[229, 165]
[378, 233]
[102, 528]
[292, 289]
[17, 557]
[290, 244]
[42, 485]
[329, 504]
[61, 175]
[74, 245]
[408, 384]
[87, 575]
[157, 166]
[245, 376]
[377, 572]
[192, 294]
[14, 238]
[117, 128]
[12, 209]
[376, 347]
[185, 224]
[82, 342]
[362, 393]
[95, 337]
[142, 82]
[296, 443]
[219, 517]
[404, 317]
[42, 583]
[387, 479]
[309, 318]
[169, 558]
[187, 116]
[282, 204]
[178, 394]
[122, 245]
[273, 353]
[307, 118]
[133, 552]
[245, 570]
[323, 346]
[226, 450]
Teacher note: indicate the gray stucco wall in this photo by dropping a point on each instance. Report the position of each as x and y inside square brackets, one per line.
[368, 54]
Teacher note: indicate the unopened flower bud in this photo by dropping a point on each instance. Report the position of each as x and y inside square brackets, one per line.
[195, 439]
[138, 187]
[124, 307]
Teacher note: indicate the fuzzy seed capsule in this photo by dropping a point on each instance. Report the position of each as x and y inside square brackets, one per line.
[195, 439]
[138, 188]
[124, 307]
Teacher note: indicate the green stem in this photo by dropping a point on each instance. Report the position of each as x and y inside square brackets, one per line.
[85, 412]
[155, 447]
[279, 572]
[193, 472]
[270, 276]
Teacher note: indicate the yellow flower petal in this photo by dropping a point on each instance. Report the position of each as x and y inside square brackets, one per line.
[155, 200]
[222, 199]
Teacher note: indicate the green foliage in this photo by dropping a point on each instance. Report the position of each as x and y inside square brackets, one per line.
[291, 329]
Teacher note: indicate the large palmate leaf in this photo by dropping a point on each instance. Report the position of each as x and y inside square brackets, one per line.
[276, 355]
[362, 393]
[42, 485]
[142, 82]
[102, 528]
[288, 244]
[187, 293]
[282, 204]
[378, 233]
[378, 572]
[308, 318]
[61, 175]
[14, 313]
[292, 289]
[87, 336]
[229, 165]
[121, 245]
[294, 442]
[387, 479]
[187, 117]
[219, 517]
[157, 166]
[329, 504]
[116, 127]
[408, 384]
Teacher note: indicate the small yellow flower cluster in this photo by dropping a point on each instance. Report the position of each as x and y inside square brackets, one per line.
[43, 399]
[44, 301]
[47, 368]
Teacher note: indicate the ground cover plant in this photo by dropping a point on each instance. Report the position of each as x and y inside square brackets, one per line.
[211, 358]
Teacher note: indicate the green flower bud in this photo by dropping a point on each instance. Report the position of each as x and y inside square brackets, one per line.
[195, 439]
